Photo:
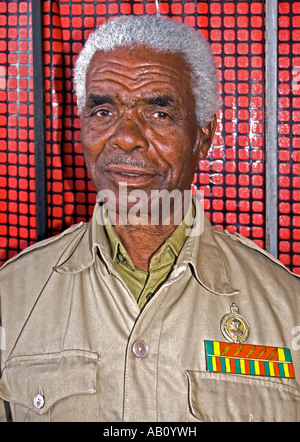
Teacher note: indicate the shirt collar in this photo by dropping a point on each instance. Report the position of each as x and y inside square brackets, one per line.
[116, 244]
[174, 242]
[200, 250]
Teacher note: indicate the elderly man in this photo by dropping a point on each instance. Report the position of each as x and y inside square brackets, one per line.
[124, 319]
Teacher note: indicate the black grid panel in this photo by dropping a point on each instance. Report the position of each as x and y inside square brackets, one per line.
[289, 133]
[17, 185]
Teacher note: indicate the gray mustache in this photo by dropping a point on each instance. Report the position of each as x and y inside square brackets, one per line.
[125, 161]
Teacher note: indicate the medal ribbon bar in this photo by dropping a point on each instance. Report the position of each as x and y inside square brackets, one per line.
[257, 360]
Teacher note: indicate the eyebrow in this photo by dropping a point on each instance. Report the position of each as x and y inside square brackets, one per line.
[98, 100]
[163, 100]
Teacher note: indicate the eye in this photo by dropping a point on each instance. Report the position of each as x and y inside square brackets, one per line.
[103, 113]
[160, 115]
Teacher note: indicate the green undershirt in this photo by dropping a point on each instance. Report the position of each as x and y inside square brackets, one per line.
[143, 285]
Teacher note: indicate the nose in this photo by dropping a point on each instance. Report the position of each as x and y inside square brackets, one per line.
[128, 136]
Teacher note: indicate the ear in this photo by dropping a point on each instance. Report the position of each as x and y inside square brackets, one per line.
[205, 137]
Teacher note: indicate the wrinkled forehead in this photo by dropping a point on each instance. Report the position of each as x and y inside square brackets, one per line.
[139, 71]
[139, 63]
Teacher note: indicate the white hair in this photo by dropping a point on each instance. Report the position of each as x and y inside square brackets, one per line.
[161, 34]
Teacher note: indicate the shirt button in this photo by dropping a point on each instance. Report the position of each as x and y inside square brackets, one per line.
[38, 401]
[120, 257]
[149, 296]
[140, 349]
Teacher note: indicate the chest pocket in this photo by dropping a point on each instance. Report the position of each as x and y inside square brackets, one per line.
[217, 397]
[51, 387]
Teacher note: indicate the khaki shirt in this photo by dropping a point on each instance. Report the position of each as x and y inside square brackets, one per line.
[78, 347]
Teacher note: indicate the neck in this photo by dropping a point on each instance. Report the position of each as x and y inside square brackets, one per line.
[143, 230]
[141, 242]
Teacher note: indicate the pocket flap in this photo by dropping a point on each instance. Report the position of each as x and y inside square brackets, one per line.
[228, 398]
[54, 376]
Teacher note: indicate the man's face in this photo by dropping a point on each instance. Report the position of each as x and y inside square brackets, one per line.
[139, 125]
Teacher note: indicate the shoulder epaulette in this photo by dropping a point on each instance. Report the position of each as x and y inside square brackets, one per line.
[252, 245]
[45, 242]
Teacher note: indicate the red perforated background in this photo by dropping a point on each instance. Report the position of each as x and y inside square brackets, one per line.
[232, 178]
[289, 134]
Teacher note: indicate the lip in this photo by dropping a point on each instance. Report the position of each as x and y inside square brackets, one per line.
[133, 176]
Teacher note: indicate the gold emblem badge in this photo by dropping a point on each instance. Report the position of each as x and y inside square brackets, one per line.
[234, 327]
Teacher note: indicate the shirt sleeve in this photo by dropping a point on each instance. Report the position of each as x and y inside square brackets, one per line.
[5, 414]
